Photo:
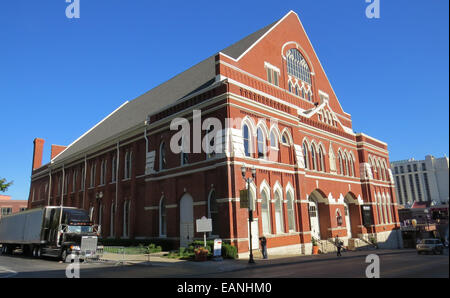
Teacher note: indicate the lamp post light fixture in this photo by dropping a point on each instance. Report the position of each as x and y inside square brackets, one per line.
[250, 207]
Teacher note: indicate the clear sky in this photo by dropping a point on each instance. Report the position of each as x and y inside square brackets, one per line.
[60, 76]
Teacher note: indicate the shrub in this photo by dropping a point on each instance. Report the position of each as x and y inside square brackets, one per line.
[229, 251]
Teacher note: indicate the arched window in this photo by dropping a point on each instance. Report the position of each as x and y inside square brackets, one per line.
[273, 140]
[114, 169]
[321, 160]
[126, 218]
[247, 139]
[279, 218]
[265, 213]
[290, 209]
[285, 139]
[93, 170]
[341, 166]
[297, 66]
[211, 142]
[261, 143]
[162, 218]
[103, 173]
[305, 155]
[313, 157]
[162, 156]
[184, 155]
[213, 213]
[128, 162]
[346, 164]
[100, 214]
[113, 216]
[352, 165]
[74, 180]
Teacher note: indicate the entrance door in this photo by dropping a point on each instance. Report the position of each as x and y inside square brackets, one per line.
[347, 221]
[314, 220]
[186, 220]
[255, 234]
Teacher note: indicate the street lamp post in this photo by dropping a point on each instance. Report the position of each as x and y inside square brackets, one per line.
[250, 207]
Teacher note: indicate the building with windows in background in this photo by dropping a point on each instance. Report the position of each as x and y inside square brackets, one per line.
[9, 206]
[314, 177]
[422, 180]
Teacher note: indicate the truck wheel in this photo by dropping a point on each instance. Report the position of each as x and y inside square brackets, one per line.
[64, 255]
[38, 252]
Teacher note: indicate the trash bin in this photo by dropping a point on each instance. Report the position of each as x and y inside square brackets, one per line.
[263, 241]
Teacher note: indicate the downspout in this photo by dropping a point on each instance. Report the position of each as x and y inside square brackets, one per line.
[49, 186]
[84, 180]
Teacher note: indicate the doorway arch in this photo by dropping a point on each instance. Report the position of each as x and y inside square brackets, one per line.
[186, 220]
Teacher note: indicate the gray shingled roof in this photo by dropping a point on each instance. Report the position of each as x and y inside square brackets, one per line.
[136, 111]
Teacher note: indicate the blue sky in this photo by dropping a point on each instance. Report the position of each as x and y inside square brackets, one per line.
[59, 76]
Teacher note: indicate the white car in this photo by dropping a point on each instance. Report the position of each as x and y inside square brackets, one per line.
[434, 246]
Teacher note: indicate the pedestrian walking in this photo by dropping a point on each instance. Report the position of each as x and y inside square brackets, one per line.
[338, 244]
[264, 247]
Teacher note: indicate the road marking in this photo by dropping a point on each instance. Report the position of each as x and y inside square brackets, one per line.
[6, 273]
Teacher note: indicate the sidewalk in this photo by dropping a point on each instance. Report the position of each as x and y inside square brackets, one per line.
[164, 267]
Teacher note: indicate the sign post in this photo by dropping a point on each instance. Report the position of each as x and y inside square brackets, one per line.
[204, 225]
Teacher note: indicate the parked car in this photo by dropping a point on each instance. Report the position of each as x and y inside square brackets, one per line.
[434, 246]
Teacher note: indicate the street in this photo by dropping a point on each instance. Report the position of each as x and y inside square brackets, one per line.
[393, 264]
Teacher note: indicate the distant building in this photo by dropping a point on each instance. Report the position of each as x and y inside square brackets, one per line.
[8, 206]
[421, 180]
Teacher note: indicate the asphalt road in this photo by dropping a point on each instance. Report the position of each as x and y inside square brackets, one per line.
[393, 264]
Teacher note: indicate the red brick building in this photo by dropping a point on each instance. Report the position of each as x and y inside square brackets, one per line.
[8, 206]
[314, 176]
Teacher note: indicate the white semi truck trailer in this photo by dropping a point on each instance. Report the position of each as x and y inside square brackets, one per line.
[58, 232]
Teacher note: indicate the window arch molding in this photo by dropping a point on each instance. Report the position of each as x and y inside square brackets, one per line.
[286, 132]
[275, 132]
[213, 212]
[266, 217]
[295, 45]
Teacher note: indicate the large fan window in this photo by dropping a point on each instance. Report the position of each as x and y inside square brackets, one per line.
[297, 66]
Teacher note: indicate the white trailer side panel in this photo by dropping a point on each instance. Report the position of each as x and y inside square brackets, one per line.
[22, 228]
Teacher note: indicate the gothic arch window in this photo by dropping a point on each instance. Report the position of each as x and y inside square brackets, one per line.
[265, 212]
[213, 212]
[113, 216]
[297, 66]
[346, 164]
[126, 219]
[341, 166]
[313, 157]
[305, 155]
[128, 163]
[321, 160]
[273, 140]
[93, 170]
[261, 143]
[184, 155]
[246, 135]
[162, 218]
[290, 210]
[279, 217]
[352, 165]
[103, 173]
[114, 169]
[162, 156]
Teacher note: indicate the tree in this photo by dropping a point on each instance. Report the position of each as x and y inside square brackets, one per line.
[4, 185]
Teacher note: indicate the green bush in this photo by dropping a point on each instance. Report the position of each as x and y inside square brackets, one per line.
[229, 251]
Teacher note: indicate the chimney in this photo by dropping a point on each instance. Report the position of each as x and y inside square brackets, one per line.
[37, 153]
[56, 149]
